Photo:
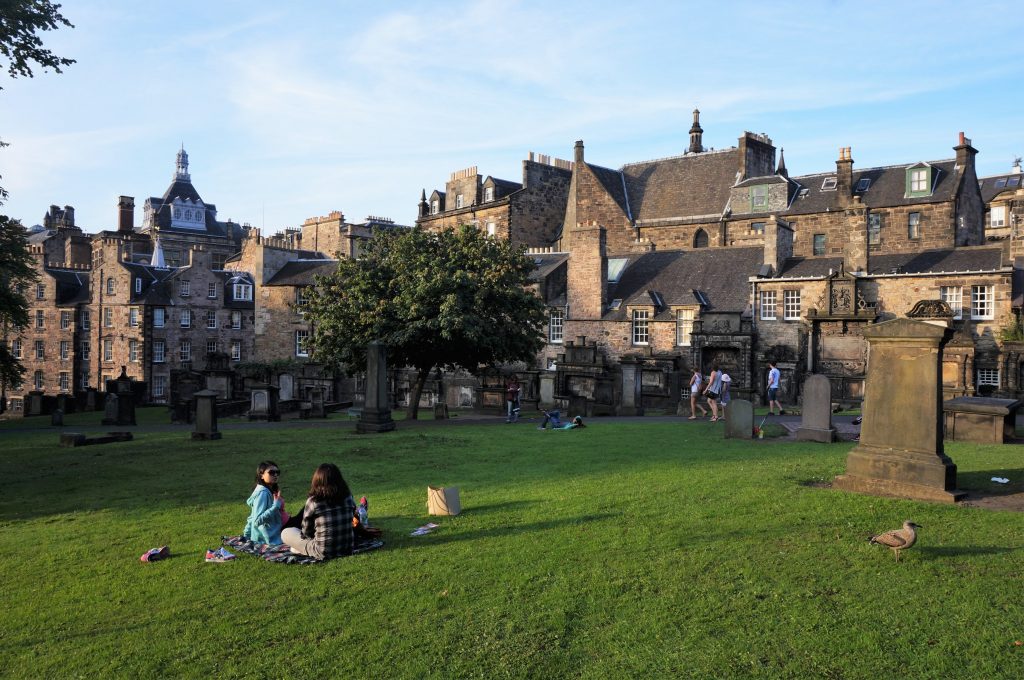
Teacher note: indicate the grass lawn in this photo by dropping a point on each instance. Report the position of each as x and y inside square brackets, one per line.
[627, 549]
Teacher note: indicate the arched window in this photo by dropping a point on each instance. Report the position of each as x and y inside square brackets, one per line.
[110, 286]
[700, 239]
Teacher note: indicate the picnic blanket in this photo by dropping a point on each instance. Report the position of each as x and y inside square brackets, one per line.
[282, 554]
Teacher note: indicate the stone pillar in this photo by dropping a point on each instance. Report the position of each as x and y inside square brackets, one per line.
[206, 415]
[816, 424]
[376, 414]
[900, 452]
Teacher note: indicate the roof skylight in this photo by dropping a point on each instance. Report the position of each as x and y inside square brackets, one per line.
[616, 266]
[829, 184]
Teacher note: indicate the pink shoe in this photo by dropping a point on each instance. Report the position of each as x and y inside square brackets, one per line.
[156, 554]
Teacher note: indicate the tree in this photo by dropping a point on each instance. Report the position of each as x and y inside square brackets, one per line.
[446, 299]
[20, 22]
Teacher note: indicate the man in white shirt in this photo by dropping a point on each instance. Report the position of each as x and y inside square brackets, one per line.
[773, 389]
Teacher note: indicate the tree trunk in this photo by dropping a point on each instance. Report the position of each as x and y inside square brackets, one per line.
[417, 390]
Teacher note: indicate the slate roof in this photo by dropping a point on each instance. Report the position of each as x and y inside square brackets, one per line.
[963, 259]
[72, 286]
[301, 272]
[887, 189]
[153, 291]
[184, 190]
[504, 187]
[546, 264]
[41, 236]
[719, 273]
[800, 267]
[611, 180]
[684, 186]
[997, 184]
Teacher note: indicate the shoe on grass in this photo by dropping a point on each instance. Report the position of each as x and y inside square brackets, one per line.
[218, 556]
[156, 554]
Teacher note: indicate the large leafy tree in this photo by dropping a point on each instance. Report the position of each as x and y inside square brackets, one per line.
[21, 21]
[436, 299]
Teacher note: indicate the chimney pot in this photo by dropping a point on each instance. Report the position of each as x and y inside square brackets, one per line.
[578, 151]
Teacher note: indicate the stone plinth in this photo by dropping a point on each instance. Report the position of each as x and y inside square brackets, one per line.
[816, 424]
[376, 414]
[206, 415]
[981, 419]
[740, 423]
[900, 452]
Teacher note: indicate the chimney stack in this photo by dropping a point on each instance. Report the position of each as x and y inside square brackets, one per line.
[125, 214]
[965, 153]
[578, 151]
[844, 176]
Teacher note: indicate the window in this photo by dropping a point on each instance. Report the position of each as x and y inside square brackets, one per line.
[218, 260]
[184, 288]
[641, 319]
[819, 244]
[211, 346]
[83, 349]
[492, 229]
[172, 258]
[758, 198]
[37, 380]
[301, 343]
[133, 317]
[988, 376]
[16, 405]
[185, 350]
[914, 225]
[65, 320]
[435, 207]
[301, 299]
[556, 325]
[954, 297]
[791, 305]
[236, 320]
[16, 348]
[1000, 183]
[684, 327]
[186, 318]
[40, 318]
[83, 381]
[108, 318]
[64, 381]
[110, 286]
[863, 184]
[177, 213]
[159, 385]
[236, 350]
[65, 347]
[700, 239]
[874, 229]
[40, 291]
[133, 350]
[188, 215]
[40, 349]
[85, 319]
[108, 349]
[982, 302]
[211, 318]
[919, 181]
[488, 193]
[768, 305]
[829, 184]
[159, 314]
[159, 350]
[616, 265]
[138, 285]
[243, 291]
[458, 201]
[757, 227]
[998, 217]
[211, 290]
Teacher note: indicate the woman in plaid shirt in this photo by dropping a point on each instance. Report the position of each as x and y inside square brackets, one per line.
[327, 518]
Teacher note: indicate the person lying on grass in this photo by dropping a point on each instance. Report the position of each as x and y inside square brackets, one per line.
[577, 422]
[327, 528]
[266, 506]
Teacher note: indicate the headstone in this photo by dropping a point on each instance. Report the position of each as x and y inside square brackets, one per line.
[316, 401]
[900, 452]
[57, 418]
[440, 411]
[110, 409]
[206, 415]
[91, 400]
[34, 403]
[376, 413]
[629, 404]
[263, 404]
[740, 423]
[120, 410]
[816, 425]
[547, 390]
[287, 384]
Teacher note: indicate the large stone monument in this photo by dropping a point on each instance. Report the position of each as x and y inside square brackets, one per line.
[900, 452]
[376, 414]
[263, 403]
[120, 410]
[740, 421]
[816, 424]
[206, 415]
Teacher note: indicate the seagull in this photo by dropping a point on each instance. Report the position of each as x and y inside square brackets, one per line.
[898, 539]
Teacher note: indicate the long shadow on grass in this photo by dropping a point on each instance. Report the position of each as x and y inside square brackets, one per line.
[961, 551]
[442, 536]
[979, 484]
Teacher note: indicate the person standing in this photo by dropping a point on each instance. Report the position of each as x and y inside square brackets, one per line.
[725, 398]
[695, 382]
[512, 389]
[713, 391]
[773, 389]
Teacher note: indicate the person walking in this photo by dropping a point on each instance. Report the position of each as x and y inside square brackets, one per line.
[773, 389]
[713, 391]
[512, 389]
[696, 380]
[725, 398]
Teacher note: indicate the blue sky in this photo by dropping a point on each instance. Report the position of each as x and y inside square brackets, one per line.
[290, 110]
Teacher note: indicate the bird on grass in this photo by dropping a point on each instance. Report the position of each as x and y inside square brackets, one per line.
[898, 539]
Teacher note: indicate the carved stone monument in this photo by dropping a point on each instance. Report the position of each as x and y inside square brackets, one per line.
[119, 408]
[740, 423]
[263, 403]
[206, 415]
[816, 425]
[376, 415]
[900, 452]
[629, 400]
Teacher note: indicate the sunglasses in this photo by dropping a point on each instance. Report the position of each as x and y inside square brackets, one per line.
[274, 472]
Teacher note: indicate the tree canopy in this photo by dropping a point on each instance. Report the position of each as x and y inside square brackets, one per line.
[20, 23]
[436, 299]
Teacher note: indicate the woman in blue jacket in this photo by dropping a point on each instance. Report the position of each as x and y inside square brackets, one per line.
[264, 523]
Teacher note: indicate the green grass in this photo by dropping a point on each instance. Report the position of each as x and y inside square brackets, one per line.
[622, 550]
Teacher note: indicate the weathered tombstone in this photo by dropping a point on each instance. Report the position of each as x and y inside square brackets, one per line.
[816, 425]
[110, 409]
[376, 413]
[316, 401]
[900, 452]
[206, 415]
[629, 404]
[91, 400]
[57, 418]
[287, 384]
[984, 420]
[121, 409]
[263, 404]
[740, 423]
[34, 403]
[547, 390]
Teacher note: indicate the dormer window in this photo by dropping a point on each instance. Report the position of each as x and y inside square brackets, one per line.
[758, 198]
[488, 193]
[138, 285]
[435, 207]
[998, 216]
[919, 181]
[243, 291]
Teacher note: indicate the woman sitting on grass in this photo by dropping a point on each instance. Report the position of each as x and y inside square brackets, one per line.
[327, 518]
[264, 523]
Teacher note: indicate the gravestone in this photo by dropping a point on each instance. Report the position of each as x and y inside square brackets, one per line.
[740, 423]
[900, 452]
[816, 425]
[263, 403]
[57, 418]
[316, 402]
[206, 415]
[110, 410]
[629, 404]
[376, 413]
[980, 419]
[547, 390]
[287, 384]
[34, 403]
[91, 399]
[121, 409]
